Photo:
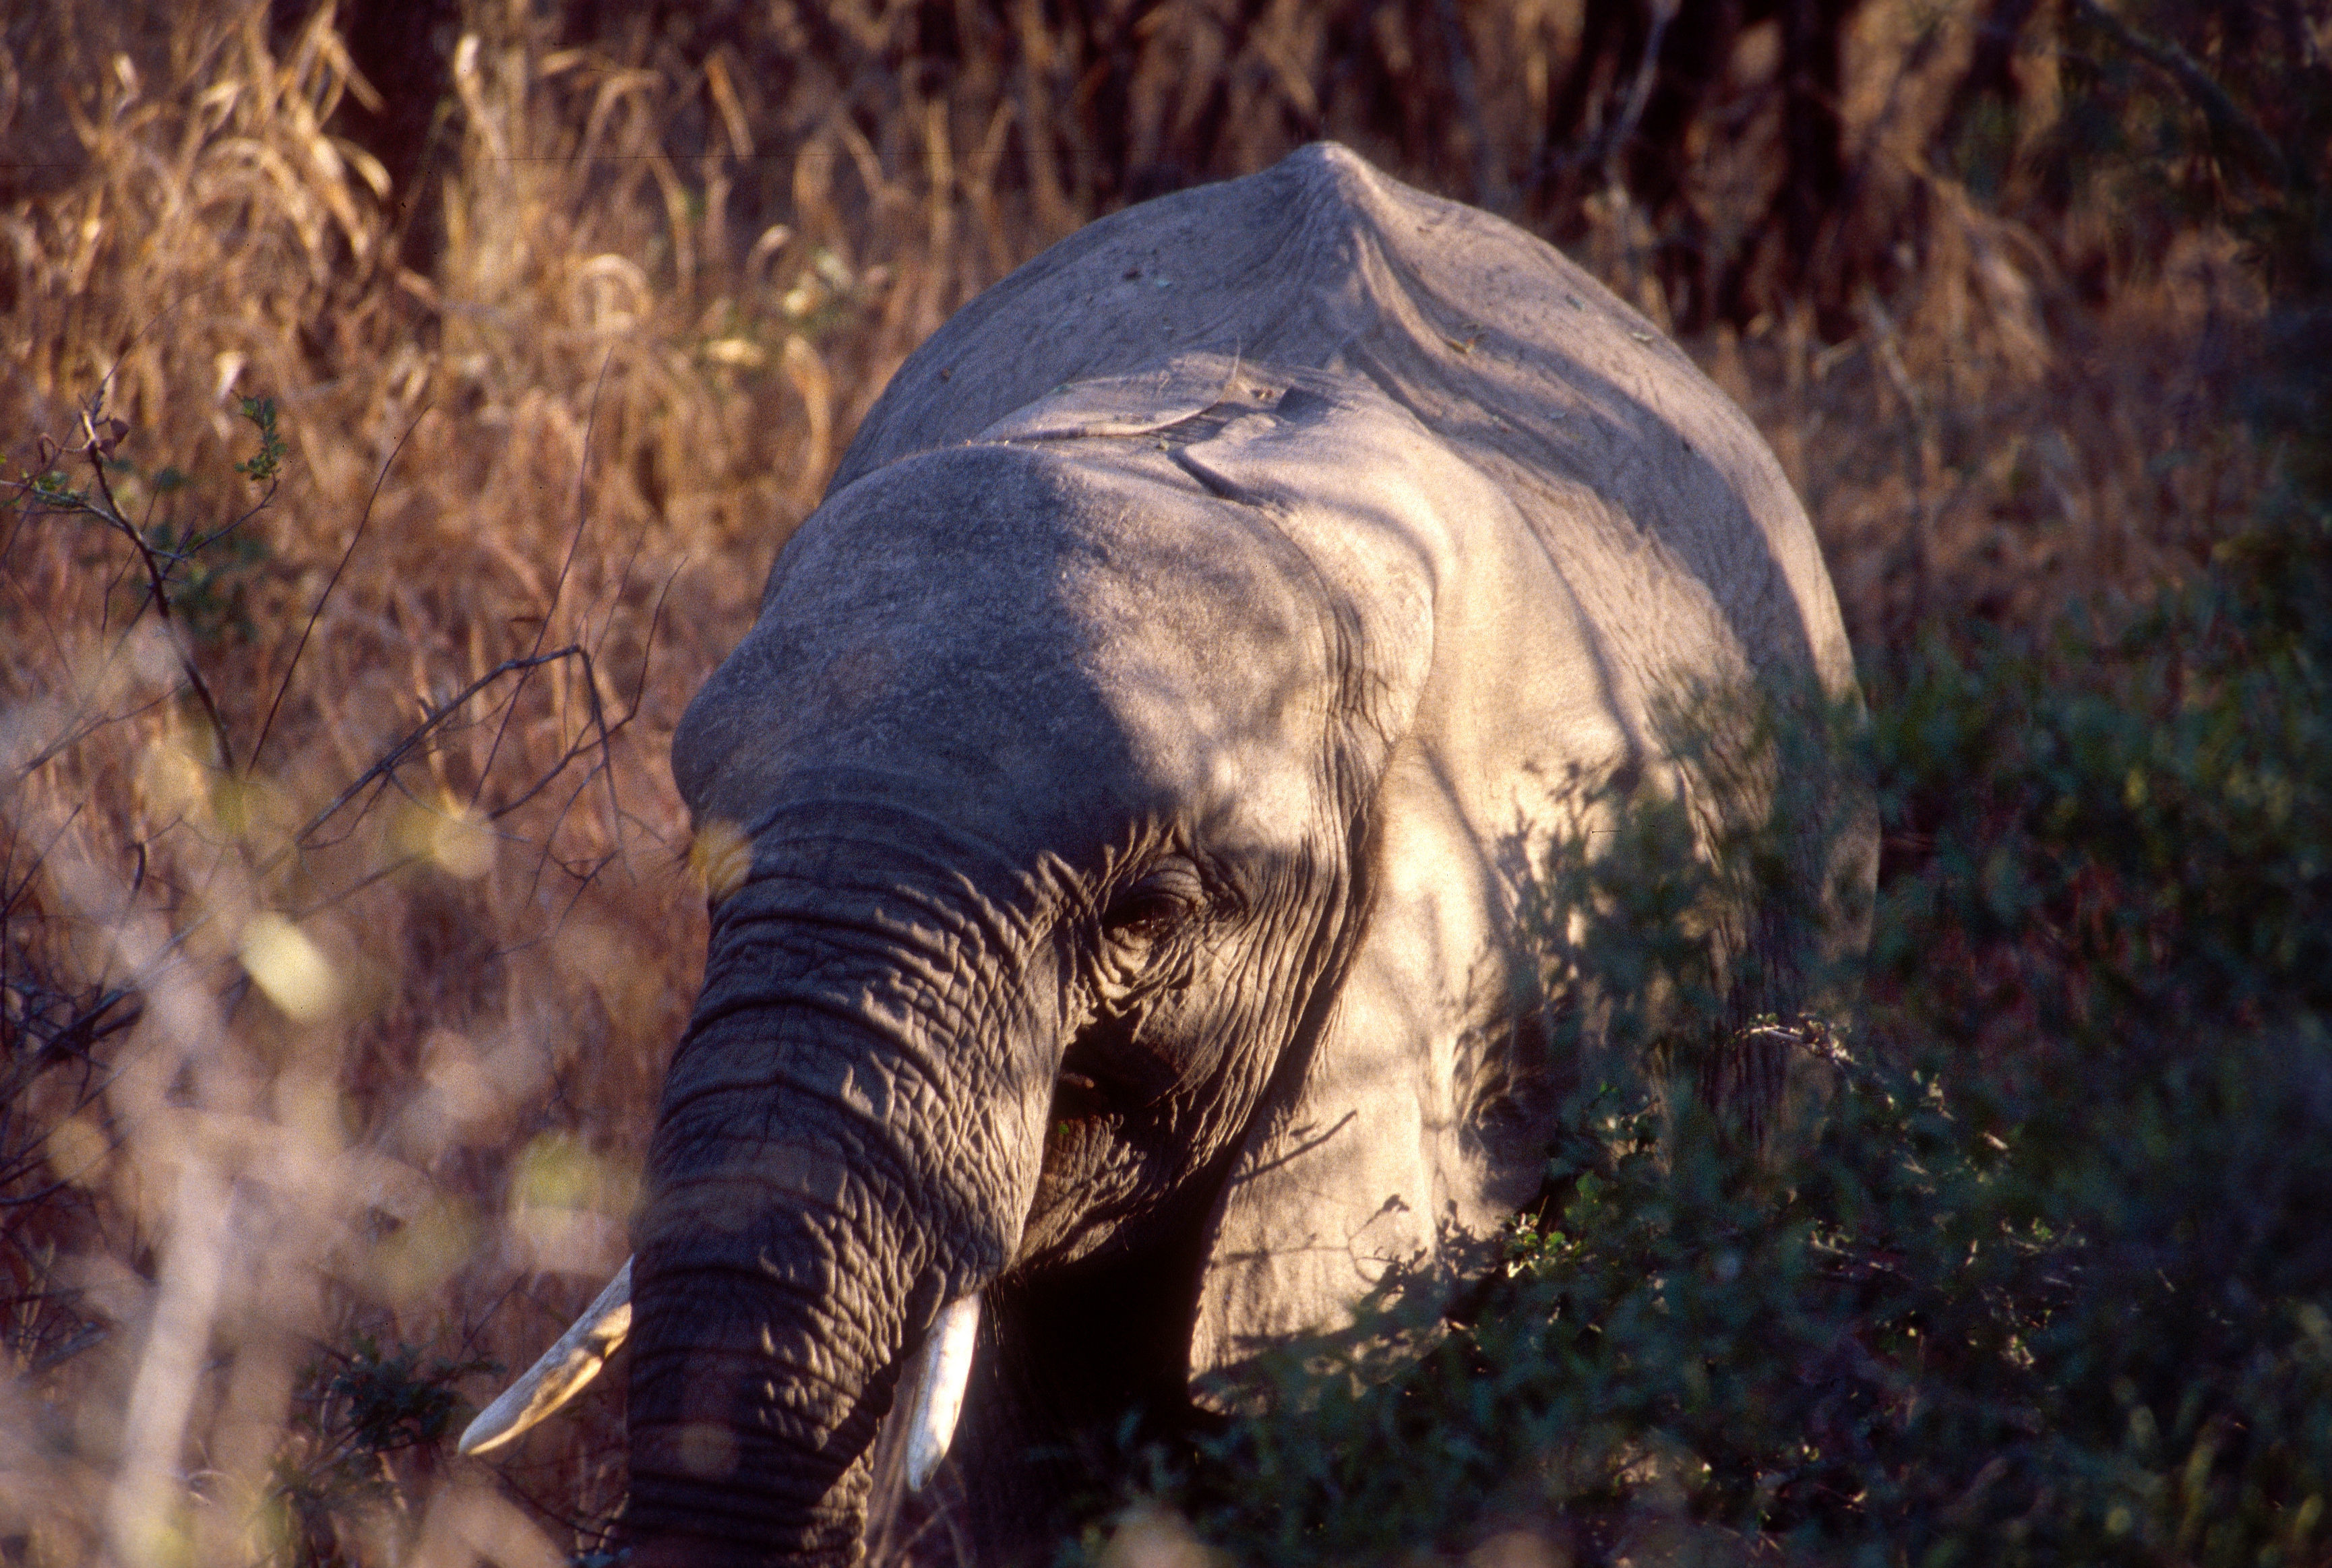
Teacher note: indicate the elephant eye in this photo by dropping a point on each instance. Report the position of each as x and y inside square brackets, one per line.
[1142, 917]
[1150, 910]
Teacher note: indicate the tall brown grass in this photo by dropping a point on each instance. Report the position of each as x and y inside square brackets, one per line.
[328, 1071]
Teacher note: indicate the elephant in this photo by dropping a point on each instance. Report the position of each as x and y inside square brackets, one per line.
[1138, 754]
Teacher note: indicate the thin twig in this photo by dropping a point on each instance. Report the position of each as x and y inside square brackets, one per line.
[391, 759]
[615, 603]
[1488, 187]
[1615, 145]
[574, 749]
[152, 322]
[301, 646]
[110, 513]
[1924, 457]
[73, 737]
[543, 628]
[1639, 92]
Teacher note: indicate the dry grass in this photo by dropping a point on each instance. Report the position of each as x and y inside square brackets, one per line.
[358, 1041]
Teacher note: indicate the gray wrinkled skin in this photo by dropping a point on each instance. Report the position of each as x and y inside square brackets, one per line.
[1137, 749]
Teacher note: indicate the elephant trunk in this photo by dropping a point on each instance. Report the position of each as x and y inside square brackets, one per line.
[749, 1425]
[843, 1147]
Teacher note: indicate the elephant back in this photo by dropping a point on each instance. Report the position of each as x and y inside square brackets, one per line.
[1643, 482]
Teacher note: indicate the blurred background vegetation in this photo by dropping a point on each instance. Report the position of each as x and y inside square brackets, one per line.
[402, 404]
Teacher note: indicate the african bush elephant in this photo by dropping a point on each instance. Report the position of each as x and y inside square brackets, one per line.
[1139, 751]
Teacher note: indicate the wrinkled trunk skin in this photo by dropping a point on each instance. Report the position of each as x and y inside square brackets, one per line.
[844, 1146]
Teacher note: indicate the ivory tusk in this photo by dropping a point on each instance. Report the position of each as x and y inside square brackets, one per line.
[565, 1370]
[939, 1396]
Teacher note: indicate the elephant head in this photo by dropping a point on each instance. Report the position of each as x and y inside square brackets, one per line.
[1135, 753]
[1057, 768]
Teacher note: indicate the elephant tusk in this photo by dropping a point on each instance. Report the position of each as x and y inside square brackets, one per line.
[940, 1384]
[565, 1370]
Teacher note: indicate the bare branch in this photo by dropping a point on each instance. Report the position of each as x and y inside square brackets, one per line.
[543, 628]
[354, 539]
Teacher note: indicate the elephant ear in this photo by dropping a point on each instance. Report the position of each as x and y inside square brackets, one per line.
[1391, 1137]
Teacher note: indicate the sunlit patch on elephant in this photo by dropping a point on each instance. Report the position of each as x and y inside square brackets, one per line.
[720, 856]
[1137, 768]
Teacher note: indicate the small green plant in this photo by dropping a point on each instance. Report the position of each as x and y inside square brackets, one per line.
[195, 575]
[383, 1401]
[210, 571]
[361, 1412]
[263, 466]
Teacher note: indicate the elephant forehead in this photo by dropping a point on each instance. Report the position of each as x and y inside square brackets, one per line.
[1205, 642]
[1065, 628]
